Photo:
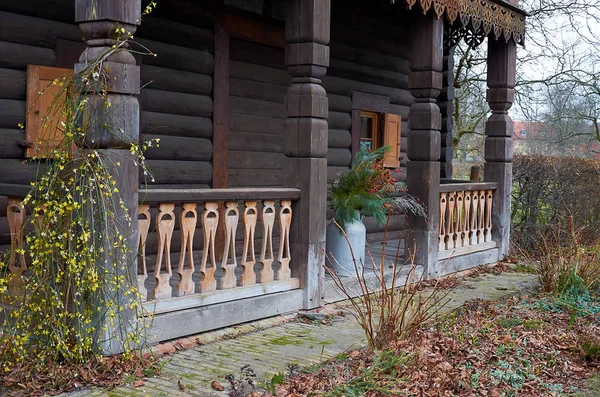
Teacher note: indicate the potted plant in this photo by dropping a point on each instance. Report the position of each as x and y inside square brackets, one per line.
[368, 189]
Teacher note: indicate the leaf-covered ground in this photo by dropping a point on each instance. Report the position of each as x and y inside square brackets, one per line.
[526, 346]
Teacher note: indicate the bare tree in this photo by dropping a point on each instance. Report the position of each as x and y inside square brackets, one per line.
[557, 76]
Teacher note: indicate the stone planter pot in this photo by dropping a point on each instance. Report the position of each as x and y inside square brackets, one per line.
[338, 249]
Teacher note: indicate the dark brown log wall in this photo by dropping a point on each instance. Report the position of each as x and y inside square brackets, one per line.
[369, 53]
[258, 84]
[176, 99]
[31, 32]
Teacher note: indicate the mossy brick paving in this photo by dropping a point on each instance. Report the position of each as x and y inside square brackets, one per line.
[271, 350]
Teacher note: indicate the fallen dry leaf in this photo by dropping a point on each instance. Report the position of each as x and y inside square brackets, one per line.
[139, 383]
[216, 386]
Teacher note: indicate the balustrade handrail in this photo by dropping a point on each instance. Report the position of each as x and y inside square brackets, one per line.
[463, 186]
[229, 194]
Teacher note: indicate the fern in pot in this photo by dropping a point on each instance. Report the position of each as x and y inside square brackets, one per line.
[368, 189]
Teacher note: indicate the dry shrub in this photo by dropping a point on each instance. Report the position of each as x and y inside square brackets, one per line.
[563, 260]
[547, 189]
[388, 313]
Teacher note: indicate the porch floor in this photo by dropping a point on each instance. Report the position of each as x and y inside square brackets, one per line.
[374, 254]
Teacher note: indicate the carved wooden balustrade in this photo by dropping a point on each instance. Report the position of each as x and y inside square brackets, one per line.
[205, 246]
[465, 217]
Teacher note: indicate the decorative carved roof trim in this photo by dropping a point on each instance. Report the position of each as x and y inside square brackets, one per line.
[488, 15]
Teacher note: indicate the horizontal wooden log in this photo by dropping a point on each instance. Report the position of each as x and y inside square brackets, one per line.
[367, 74]
[339, 139]
[13, 84]
[173, 32]
[245, 177]
[256, 107]
[157, 78]
[253, 72]
[339, 103]
[339, 157]
[176, 103]
[18, 56]
[255, 160]
[11, 144]
[176, 125]
[59, 10]
[341, 32]
[333, 172]
[179, 148]
[37, 32]
[257, 54]
[247, 141]
[20, 172]
[401, 110]
[189, 13]
[176, 172]
[11, 113]
[341, 86]
[19, 190]
[339, 121]
[177, 57]
[256, 124]
[364, 56]
[257, 90]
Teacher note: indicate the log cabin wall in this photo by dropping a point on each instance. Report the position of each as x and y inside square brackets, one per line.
[176, 98]
[258, 84]
[369, 50]
[36, 33]
[369, 54]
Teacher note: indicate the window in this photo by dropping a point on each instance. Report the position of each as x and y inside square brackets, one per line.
[43, 130]
[373, 127]
[369, 128]
[381, 129]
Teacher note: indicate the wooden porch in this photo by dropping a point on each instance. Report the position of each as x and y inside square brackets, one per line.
[272, 101]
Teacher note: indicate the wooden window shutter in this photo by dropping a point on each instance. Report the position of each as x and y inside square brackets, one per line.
[43, 131]
[391, 137]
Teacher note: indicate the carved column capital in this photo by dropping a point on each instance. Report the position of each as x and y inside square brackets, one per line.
[105, 26]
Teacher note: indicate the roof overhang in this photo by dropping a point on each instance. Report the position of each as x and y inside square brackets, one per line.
[494, 17]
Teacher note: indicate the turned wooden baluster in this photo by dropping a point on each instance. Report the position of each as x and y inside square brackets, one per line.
[460, 231]
[15, 213]
[285, 220]
[467, 218]
[474, 216]
[443, 204]
[481, 221]
[143, 229]
[188, 219]
[231, 218]
[451, 221]
[165, 223]
[210, 222]
[248, 276]
[266, 273]
[488, 215]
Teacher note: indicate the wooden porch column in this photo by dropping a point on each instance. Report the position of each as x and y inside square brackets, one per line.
[99, 20]
[305, 144]
[498, 135]
[424, 138]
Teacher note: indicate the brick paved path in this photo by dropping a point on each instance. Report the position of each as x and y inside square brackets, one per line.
[274, 349]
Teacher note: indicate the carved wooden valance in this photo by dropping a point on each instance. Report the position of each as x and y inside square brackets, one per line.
[489, 16]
